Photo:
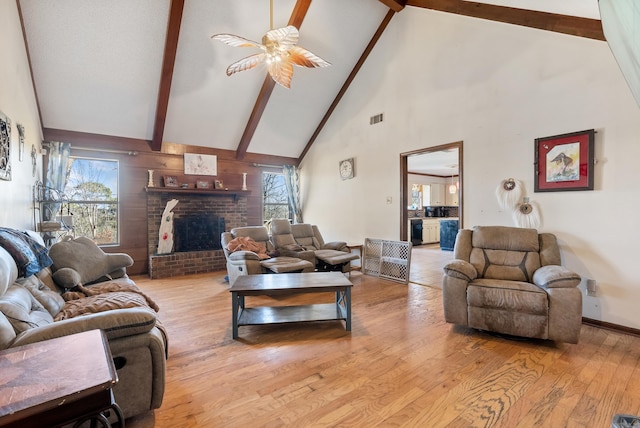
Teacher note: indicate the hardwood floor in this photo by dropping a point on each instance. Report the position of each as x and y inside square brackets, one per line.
[401, 365]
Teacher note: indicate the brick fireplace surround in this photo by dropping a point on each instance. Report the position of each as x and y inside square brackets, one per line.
[232, 207]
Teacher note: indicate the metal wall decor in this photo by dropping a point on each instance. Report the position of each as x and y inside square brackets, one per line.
[21, 142]
[5, 147]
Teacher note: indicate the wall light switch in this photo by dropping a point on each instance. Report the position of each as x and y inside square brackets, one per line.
[591, 287]
[389, 199]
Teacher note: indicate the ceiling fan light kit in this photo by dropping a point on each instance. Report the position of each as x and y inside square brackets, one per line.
[280, 53]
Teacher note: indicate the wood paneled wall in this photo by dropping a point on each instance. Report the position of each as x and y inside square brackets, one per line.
[136, 158]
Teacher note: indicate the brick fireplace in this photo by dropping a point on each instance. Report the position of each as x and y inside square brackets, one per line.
[230, 206]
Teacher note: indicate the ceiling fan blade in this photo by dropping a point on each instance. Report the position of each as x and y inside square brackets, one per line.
[285, 37]
[281, 72]
[303, 58]
[245, 64]
[236, 41]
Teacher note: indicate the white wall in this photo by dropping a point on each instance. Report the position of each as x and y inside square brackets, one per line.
[17, 101]
[440, 78]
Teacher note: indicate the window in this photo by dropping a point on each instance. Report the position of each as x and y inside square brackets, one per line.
[274, 197]
[91, 198]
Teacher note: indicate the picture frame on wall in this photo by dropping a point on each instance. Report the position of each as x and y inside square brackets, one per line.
[170, 181]
[5, 147]
[201, 184]
[564, 162]
[197, 164]
[219, 185]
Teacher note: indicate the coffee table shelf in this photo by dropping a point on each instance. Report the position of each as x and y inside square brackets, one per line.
[285, 314]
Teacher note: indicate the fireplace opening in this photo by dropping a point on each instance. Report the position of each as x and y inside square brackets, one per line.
[199, 232]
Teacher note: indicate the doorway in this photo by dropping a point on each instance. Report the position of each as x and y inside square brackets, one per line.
[438, 161]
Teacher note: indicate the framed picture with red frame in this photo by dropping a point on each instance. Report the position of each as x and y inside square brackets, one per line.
[564, 162]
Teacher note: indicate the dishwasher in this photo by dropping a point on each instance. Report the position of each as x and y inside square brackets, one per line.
[416, 231]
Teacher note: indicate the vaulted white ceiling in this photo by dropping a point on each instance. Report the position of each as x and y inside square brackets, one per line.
[98, 67]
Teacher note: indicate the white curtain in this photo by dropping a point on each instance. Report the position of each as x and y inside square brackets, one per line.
[57, 176]
[292, 181]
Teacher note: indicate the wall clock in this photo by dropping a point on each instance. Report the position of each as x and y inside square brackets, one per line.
[347, 169]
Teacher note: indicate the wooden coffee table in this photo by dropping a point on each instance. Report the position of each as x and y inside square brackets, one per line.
[285, 284]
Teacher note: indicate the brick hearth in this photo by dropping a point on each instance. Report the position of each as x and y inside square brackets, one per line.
[233, 208]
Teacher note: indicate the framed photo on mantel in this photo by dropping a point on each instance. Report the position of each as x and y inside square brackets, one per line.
[564, 162]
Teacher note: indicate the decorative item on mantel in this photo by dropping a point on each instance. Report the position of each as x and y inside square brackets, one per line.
[244, 181]
[150, 183]
[165, 238]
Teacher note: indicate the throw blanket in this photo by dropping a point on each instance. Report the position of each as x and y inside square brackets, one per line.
[80, 292]
[245, 243]
[29, 255]
[105, 297]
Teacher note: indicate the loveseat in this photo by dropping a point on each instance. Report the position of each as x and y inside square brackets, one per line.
[304, 240]
[510, 280]
[98, 294]
[249, 251]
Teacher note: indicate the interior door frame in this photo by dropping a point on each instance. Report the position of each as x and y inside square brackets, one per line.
[404, 185]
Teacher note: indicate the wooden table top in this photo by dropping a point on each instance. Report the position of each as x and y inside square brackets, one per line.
[291, 282]
[44, 375]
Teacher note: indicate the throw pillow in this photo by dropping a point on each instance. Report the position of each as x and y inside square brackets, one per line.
[81, 261]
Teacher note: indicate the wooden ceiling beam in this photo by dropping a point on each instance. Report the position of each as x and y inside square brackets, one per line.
[347, 83]
[166, 76]
[394, 5]
[297, 16]
[572, 25]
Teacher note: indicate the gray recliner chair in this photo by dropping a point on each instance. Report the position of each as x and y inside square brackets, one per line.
[510, 280]
[250, 263]
[306, 241]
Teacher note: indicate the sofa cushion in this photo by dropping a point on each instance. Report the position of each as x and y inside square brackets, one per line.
[303, 234]
[512, 296]
[29, 255]
[22, 309]
[505, 238]
[84, 257]
[505, 264]
[48, 298]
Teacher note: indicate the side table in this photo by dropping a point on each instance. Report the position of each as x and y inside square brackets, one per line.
[58, 381]
[359, 248]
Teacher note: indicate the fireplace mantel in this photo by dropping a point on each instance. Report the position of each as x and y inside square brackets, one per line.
[193, 191]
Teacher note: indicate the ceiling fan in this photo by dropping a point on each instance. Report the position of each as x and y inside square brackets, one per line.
[280, 53]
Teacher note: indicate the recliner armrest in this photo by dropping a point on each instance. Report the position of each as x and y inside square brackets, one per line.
[554, 276]
[243, 255]
[115, 323]
[336, 245]
[461, 269]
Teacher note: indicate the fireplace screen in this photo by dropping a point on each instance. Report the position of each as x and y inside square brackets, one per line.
[197, 233]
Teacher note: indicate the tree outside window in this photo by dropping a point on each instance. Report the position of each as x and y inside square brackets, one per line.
[274, 197]
[92, 199]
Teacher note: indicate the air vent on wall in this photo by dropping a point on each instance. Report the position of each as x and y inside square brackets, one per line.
[376, 119]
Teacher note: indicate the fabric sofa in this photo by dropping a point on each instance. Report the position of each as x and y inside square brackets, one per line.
[32, 309]
[510, 280]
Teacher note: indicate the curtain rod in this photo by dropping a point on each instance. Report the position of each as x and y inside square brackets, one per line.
[91, 149]
[263, 165]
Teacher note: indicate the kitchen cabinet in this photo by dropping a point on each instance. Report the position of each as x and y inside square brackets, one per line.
[451, 199]
[430, 231]
[435, 191]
